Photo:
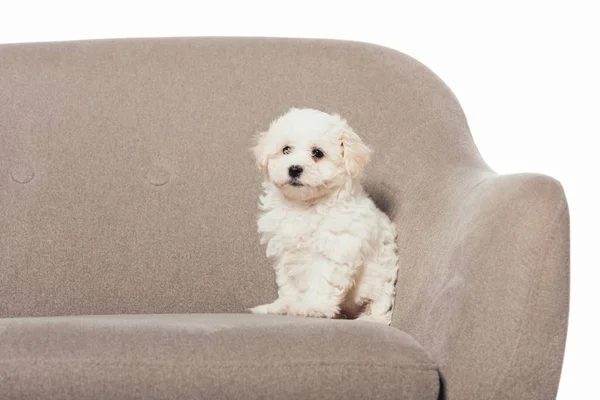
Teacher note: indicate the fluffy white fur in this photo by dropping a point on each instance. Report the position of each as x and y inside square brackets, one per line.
[335, 252]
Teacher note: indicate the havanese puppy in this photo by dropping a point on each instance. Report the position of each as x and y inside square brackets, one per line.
[334, 250]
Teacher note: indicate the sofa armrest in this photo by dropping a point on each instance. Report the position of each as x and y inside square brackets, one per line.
[495, 303]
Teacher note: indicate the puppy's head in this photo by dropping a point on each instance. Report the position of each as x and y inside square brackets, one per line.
[307, 153]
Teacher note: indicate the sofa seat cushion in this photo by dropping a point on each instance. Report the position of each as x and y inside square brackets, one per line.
[212, 356]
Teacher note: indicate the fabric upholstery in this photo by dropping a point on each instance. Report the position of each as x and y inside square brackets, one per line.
[210, 356]
[126, 187]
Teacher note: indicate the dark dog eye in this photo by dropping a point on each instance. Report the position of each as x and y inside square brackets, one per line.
[287, 150]
[316, 153]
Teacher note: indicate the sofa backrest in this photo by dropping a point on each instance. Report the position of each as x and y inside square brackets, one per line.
[126, 184]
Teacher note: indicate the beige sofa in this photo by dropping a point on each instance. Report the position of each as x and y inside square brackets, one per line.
[128, 245]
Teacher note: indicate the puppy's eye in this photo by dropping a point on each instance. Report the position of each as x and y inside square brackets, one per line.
[287, 150]
[316, 153]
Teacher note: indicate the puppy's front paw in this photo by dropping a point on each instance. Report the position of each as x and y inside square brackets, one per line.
[262, 309]
[320, 311]
[277, 308]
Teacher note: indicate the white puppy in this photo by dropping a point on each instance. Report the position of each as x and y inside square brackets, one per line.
[335, 252]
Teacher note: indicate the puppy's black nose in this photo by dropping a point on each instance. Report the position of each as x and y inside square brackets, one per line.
[295, 171]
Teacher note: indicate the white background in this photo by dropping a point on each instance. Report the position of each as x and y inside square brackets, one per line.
[526, 72]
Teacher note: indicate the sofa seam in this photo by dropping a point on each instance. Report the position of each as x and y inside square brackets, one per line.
[421, 367]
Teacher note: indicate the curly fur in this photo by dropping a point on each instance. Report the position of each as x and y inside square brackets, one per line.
[334, 250]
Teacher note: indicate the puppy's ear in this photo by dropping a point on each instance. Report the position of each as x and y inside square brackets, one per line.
[356, 154]
[259, 151]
